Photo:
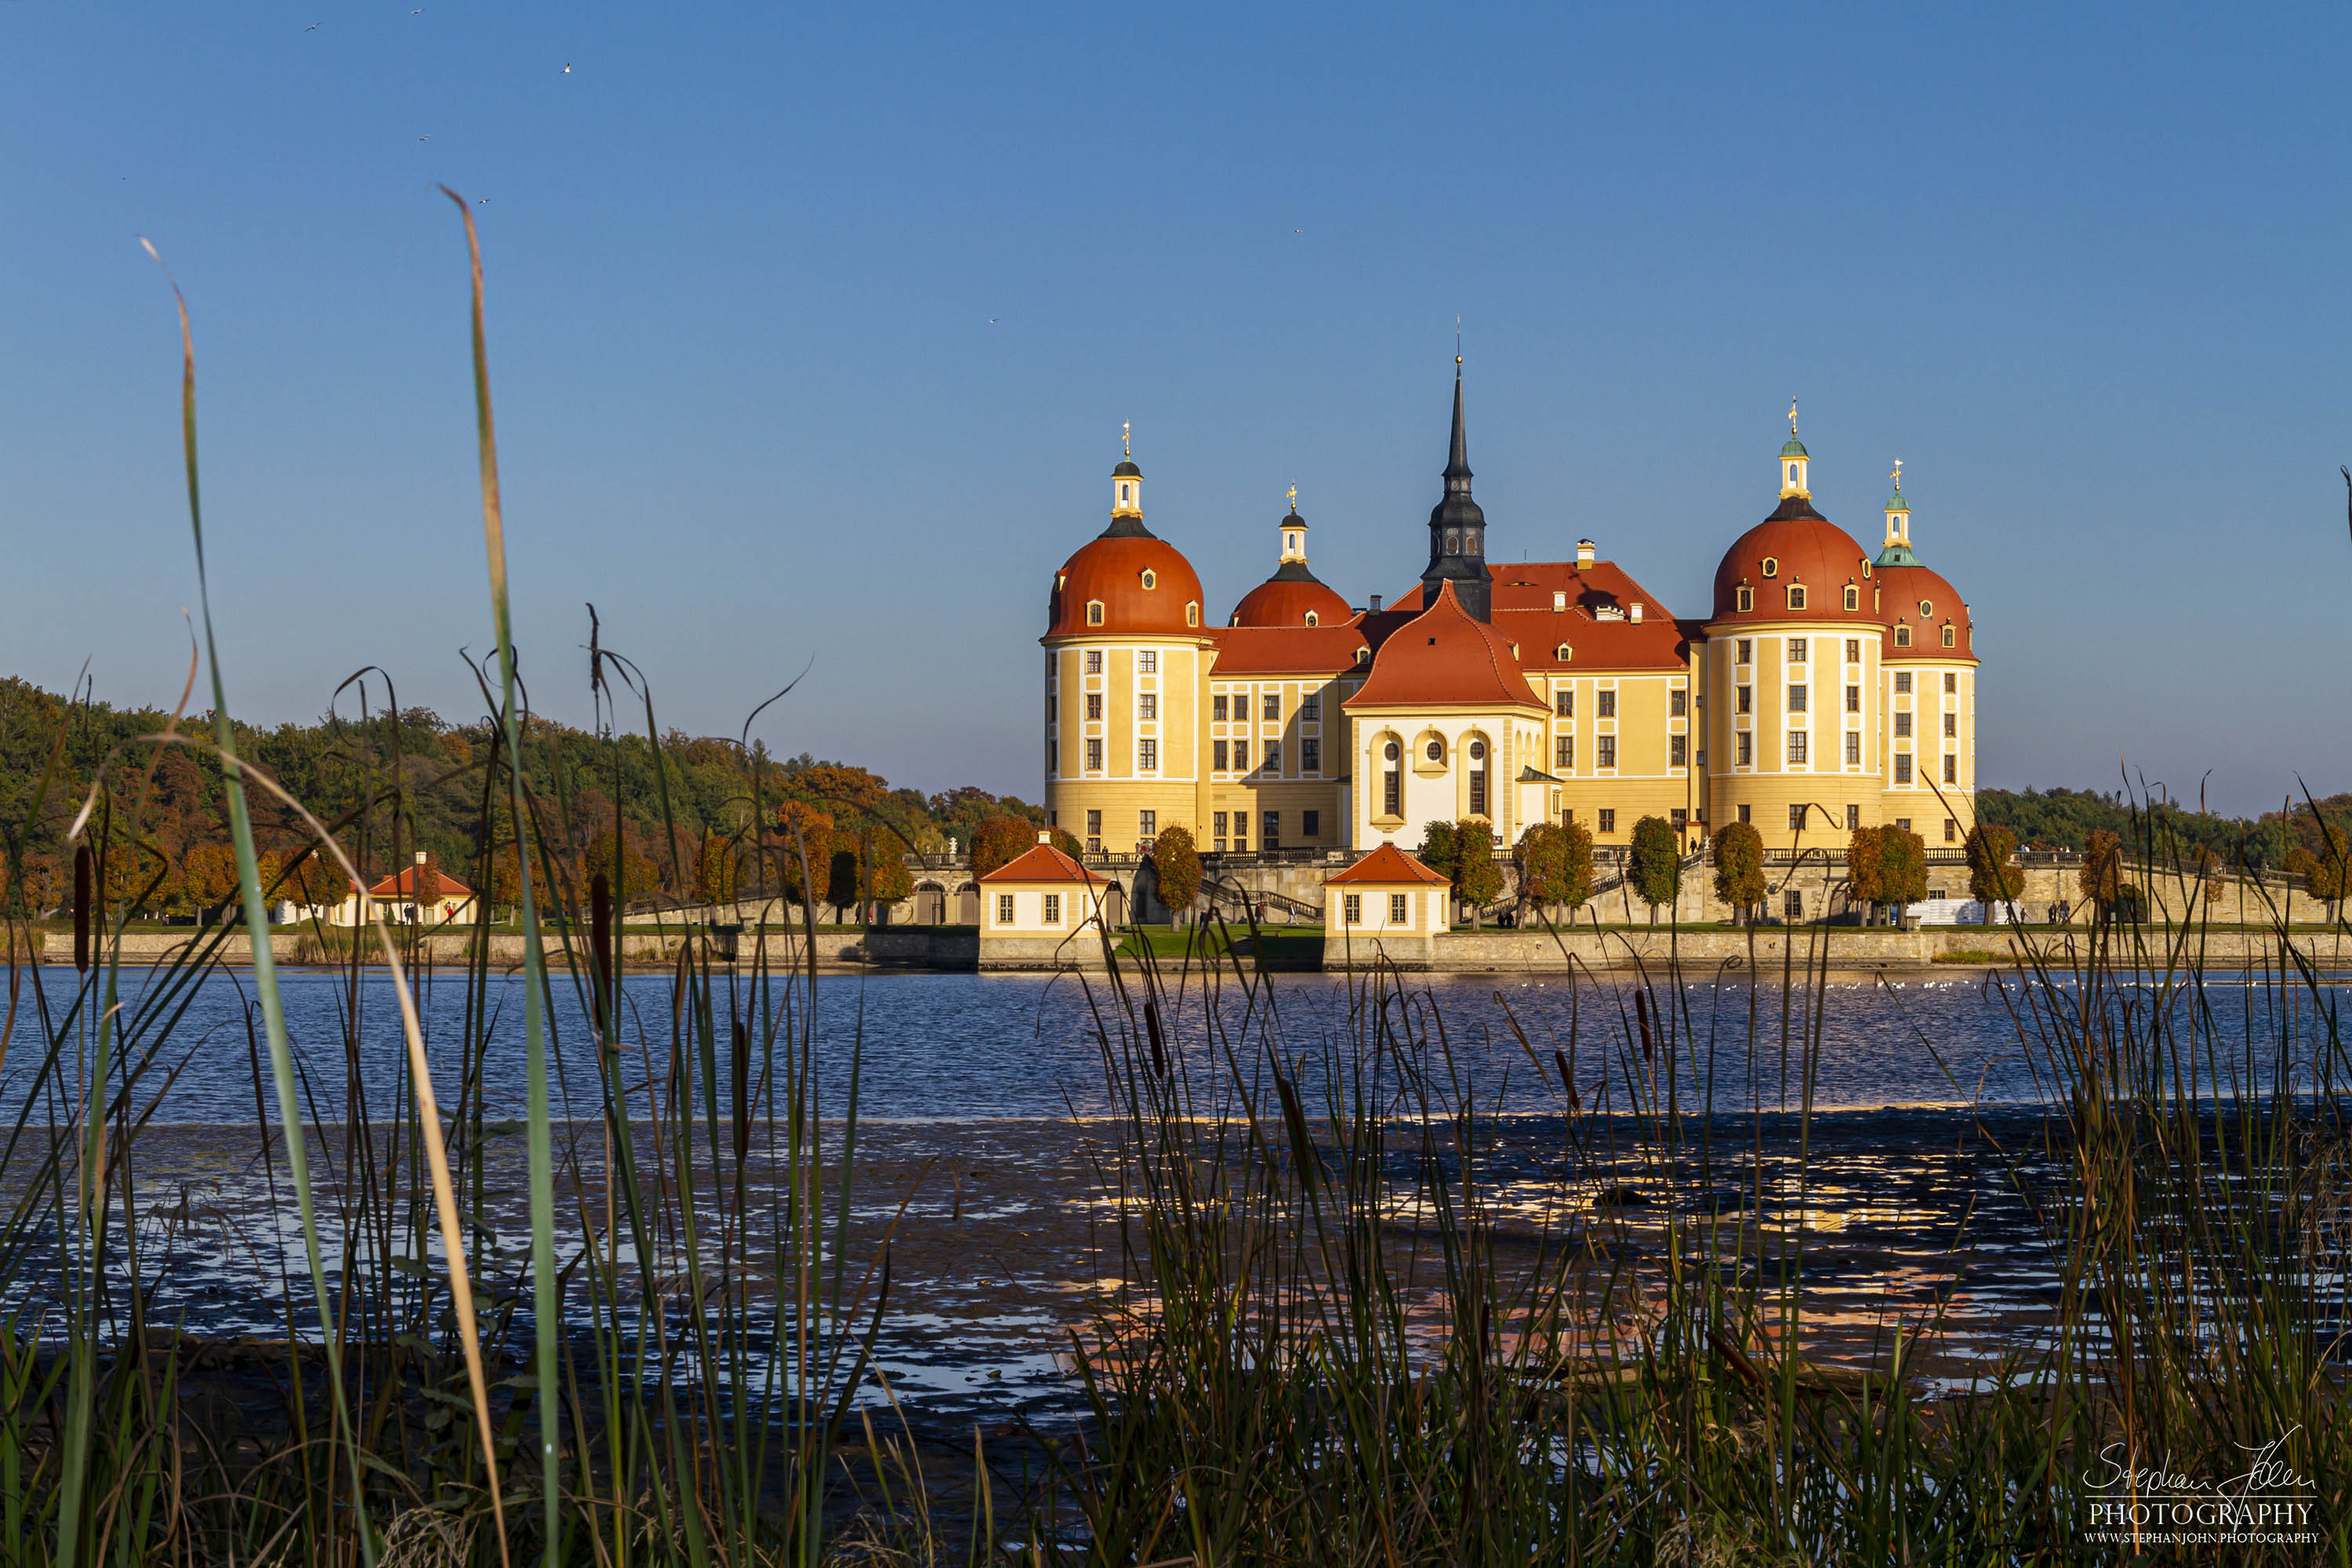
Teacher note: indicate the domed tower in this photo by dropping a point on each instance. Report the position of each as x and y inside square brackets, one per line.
[1124, 655]
[1929, 702]
[1792, 653]
[1293, 596]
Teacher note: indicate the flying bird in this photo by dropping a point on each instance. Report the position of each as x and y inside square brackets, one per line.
[426, 137]
[567, 68]
[992, 320]
[311, 28]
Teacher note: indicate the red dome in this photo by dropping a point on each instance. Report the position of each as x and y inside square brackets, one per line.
[1288, 598]
[1795, 547]
[1902, 591]
[1111, 571]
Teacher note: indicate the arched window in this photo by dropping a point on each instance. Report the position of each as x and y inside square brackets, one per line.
[1852, 597]
[1796, 597]
[1094, 612]
[1150, 578]
[1192, 613]
[1391, 780]
[1747, 599]
[1771, 567]
[1470, 541]
[1453, 542]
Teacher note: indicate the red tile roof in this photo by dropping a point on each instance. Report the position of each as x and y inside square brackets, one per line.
[1043, 864]
[1387, 864]
[1804, 548]
[1902, 590]
[1595, 622]
[1109, 569]
[405, 885]
[1287, 650]
[1282, 601]
[1445, 657]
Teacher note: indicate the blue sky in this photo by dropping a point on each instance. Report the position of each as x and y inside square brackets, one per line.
[2084, 272]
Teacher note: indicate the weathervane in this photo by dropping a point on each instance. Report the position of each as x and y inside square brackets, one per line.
[1294, 498]
[1792, 418]
[1898, 476]
[1127, 437]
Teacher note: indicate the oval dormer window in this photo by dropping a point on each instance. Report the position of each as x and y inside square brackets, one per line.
[1150, 578]
[1313, 619]
[1771, 567]
[1926, 608]
[1865, 566]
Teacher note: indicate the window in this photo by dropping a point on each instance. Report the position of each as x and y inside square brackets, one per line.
[1004, 908]
[1926, 609]
[1747, 703]
[1224, 755]
[1477, 791]
[1852, 597]
[1952, 725]
[1435, 751]
[1313, 619]
[1678, 819]
[1273, 837]
[1563, 702]
[1217, 828]
[1094, 756]
[1053, 756]
[1150, 578]
[1563, 752]
[1606, 755]
[1854, 699]
[1310, 707]
[1391, 791]
[1608, 820]
[1678, 702]
[1398, 913]
[1093, 661]
[1310, 824]
[1951, 680]
[1771, 567]
[1854, 748]
[1147, 823]
[1903, 823]
[1951, 768]
[1052, 909]
[1853, 818]
[1902, 680]
[1796, 650]
[1796, 699]
[1678, 750]
[1193, 612]
[1310, 755]
[1950, 637]
[1796, 818]
[1147, 663]
[1093, 707]
[1094, 612]
[1453, 542]
[1743, 814]
[1747, 599]
[1273, 710]
[1792, 905]
[1901, 767]
[1148, 755]
[1217, 708]
[1273, 754]
[1146, 705]
[1853, 650]
[1902, 637]
[1797, 741]
[1747, 748]
[1352, 908]
[1796, 597]
[1746, 651]
[1902, 724]
[1606, 702]
[1951, 831]
[1241, 756]
[1052, 707]
[1094, 831]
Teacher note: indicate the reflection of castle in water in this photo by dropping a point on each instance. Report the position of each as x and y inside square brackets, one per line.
[1827, 689]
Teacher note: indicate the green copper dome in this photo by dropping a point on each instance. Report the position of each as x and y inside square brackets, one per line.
[1795, 448]
[1897, 503]
[1897, 555]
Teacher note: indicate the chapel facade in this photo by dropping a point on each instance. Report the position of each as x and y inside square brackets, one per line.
[1827, 688]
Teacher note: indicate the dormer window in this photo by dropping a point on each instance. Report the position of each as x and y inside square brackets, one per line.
[1150, 578]
[1192, 613]
[1561, 653]
[1313, 619]
[1094, 612]
[1771, 567]
[1852, 597]
[1951, 637]
[1926, 608]
[1902, 637]
[1559, 602]
[1796, 597]
[1747, 599]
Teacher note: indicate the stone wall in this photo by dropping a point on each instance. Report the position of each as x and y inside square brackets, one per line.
[1849, 948]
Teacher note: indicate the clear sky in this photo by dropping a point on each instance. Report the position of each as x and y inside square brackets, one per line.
[812, 333]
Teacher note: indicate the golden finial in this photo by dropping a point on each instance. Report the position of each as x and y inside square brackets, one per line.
[1457, 342]
[1127, 437]
[1294, 498]
[1898, 476]
[1792, 418]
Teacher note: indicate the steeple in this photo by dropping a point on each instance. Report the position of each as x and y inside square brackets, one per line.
[1898, 527]
[1126, 491]
[1458, 529]
[1794, 460]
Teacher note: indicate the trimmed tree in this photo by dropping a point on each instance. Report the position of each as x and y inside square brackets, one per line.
[1657, 863]
[1740, 867]
[1576, 874]
[1176, 860]
[1439, 849]
[1540, 857]
[1992, 877]
[1477, 881]
[2103, 870]
[1865, 869]
[1904, 866]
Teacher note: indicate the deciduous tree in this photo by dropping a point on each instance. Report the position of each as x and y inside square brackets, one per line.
[1176, 862]
[1001, 839]
[1656, 864]
[1439, 850]
[1993, 876]
[1477, 881]
[208, 875]
[2103, 870]
[1739, 866]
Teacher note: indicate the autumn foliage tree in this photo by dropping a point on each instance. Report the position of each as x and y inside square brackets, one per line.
[208, 875]
[1993, 875]
[1439, 848]
[1657, 863]
[1176, 861]
[999, 840]
[1477, 881]
[2102, 875]
[1739, 866]
[1903, 865]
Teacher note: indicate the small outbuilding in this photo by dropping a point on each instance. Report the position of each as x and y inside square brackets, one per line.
[1042, 910]
[1386, 904]
[421, 895]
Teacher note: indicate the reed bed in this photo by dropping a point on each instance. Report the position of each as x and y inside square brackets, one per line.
[1328, 1342]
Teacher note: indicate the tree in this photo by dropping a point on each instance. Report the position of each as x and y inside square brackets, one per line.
[717, 876]
[1439, 848]
[1477, 881]
[1903, 855]
[208, 873]
[1865, 869]
[2326, 871]
[1739, 866]
[883, 875]
[2103, 870]
[1176, 862]
[318, 879]
[999, 841]
[1540, 857]
[800, 824]
[1656, 867]
[616, 853]
[1991, 874]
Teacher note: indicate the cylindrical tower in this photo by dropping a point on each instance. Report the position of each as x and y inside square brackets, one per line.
[1125, 665]
[1929, 701]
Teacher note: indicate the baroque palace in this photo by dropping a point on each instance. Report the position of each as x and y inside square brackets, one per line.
[1827, 689]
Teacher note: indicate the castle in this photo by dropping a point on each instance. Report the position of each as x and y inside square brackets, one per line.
[1828, 689]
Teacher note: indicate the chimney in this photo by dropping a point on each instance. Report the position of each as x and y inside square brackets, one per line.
[1044, 835]
[1636, 608]
[1559, 601]
[1376, 604]
[1583, 553]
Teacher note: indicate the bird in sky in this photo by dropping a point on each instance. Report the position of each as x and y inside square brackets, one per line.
[311, 28]
[992, 320]
[426, 137]
[567, 68]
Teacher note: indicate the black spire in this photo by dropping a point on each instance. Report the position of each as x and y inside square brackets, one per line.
[1458, 529]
